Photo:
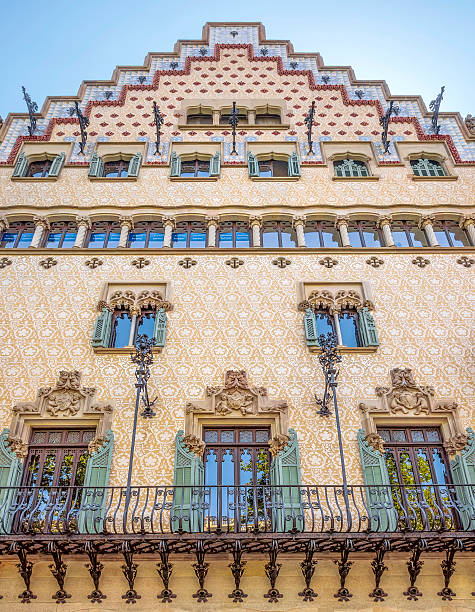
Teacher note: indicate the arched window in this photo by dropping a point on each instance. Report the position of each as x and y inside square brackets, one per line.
[115, 166]
[189, 235]
[39, 169]
[18, 236]
[364, 234]
[104, 234]
[325, 321]
[449, 234]
[407, 234]
[321, 234]
[278, 234]
[146, 234]
[199, 119]
[348, 322]
[267, 118]
[234, 234]
[38, 166]
[116, 169]
[126, 327]
[194, 167]
[350, 168]
[61, 235]
[427, 167]
[273, 165]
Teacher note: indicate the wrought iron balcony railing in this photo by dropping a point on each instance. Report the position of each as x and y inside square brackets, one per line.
[323, 509]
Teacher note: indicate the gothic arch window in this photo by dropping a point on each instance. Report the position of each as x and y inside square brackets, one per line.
[427, 167]
[189, 234]
[364, 234]
[351, 168]
[38, 166]
[273, 165]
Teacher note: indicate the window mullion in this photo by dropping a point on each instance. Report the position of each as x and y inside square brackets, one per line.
[336, 319]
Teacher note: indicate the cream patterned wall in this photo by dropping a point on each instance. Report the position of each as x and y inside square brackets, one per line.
[236, 319]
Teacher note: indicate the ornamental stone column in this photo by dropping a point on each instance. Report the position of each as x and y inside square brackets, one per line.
[426, 225]
[84, 224]
[385, 224]
[213, 224]
[216, 117]
[298, 223]
[168, 224]
[126, 224]
[255, 223]
[468, 224]
[41, 226]
[251, 116]
[342, 226]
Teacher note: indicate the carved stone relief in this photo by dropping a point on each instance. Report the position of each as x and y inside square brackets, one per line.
[335, 302]
[67, 403]
[135, 301]
[405, 399]
[231, 403]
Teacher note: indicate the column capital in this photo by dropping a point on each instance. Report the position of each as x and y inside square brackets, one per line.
[212, 221]
[464, 222]
[342, 221]
[424, 221]
[255, 220]
[43, 221]
[169, 221]
[126, 221]
[384, 220]
[3, 223]
[298, 220]
[83, 222]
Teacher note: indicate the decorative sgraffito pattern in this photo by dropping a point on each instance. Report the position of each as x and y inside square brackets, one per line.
[227, 319]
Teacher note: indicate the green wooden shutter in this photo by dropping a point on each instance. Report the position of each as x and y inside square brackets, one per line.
[96, 167]
[188, 492]
[57, 164]
[91, 515]
[294, 164]
[175, 164]
[21, 166]
[215, 164]
[11, 469]
[134, 165]
[310, 327]
[252, 164]
[102, 329]
[287, 512]
[380, 507]
[463, 473]
[160, 327]
[367, 328]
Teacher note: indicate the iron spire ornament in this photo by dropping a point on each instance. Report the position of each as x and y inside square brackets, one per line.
[384, 122]
[83, 123]
[309, 122]
[434, 107]
[158, 123]
[234, 120]
[32, 109]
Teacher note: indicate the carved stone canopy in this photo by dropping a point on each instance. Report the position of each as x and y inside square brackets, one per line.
[335, 302]
[406, 402]
[231, 403]
[135, 301]
[67, 403]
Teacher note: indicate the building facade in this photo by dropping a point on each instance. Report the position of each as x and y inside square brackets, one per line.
[233, 201]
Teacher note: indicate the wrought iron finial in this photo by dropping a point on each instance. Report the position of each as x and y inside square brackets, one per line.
[108, 94]
[83, 123]
[141, 79]
[234, 33]
[264, 51]
[158, 123]
[434, 107]
[328, 357]
[326, 79]
[32, 109]
[309, 122]
[234, 121]
[173, 65]
[359, 93]
[384, 122]
[294, 65]
[203, 51]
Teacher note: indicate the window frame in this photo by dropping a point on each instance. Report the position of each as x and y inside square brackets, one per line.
[406, 227]
[279, 230]
[199, 116]
[427, 164]
[121, 165]
[107, 231]
[46, 167]
[278, 117]
[319, 227]
[60, 227]
[196, 162]
[271, 163]
[191, 227]
[444, 226]
[13, 228]
[234, 230]
[353, 165]
[147, 228]
[360, 226]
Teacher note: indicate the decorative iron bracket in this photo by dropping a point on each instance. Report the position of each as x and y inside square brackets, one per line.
[272, 571]
[309, 122]
[201, 570]
[83, 123]
[25, 568]
[414, 566]
[384, 122]
[95, 568]
[237, 570]
[164, 569]
[158, 123]
[308, 569]
[58, 569]
[129, 569]
[32, 109]
[448, 568]
[379, 568]
[344, 566]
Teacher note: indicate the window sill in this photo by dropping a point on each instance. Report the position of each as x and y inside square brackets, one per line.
[275, 178]
[349, 350]
[112, 179]
[225, 126]
[126, 350]
[450, 177]
[34, 178]
[355, 178]
[193, 178]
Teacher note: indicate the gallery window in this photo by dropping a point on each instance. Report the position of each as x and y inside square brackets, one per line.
[407, 234]
[234, 235]
[61, 235]
[199, 119]
[278, 234]
[427, 167]
[449, 234]
[321, 234]
[345, 325]
[189, 235]
[225, 116]
[267, 118]
[18, 236]
[364, 234]
[350, 168]
[119, 327]
[104, 234]
[146, 234]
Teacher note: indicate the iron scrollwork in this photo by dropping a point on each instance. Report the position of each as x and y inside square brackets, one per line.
[344, 566]
[234, 121]
[378, 567]
[58, 569]
[164, 569]
[95, 568]
[201, 571]
[237, 570]
[83, 123]
[25, 569]
[308, 569]
[448, 568]
[414, 566]
[272, 570]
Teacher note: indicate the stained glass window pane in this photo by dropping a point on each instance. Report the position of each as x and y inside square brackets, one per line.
[211, 436]
[54, 437]
[245, 436]
[432, 435]
[384, 433]
[398, 435]
[227, 436]
[262, 436]
[73, 437]
[417, 435]
[39, 437]
[88, 436]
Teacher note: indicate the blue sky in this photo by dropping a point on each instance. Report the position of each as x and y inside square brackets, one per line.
[415, 46]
